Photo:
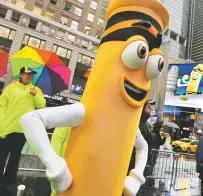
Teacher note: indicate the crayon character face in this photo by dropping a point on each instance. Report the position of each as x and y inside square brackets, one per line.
[138, 31]
[195, 75]
[138, 60]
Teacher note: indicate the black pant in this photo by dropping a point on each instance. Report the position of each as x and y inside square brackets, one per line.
[13, 145]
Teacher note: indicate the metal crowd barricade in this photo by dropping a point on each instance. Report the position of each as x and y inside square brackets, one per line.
[173, 171]
[170, 171]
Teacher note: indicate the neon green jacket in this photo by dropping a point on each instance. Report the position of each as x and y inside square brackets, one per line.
[59, 140]
[15, 101]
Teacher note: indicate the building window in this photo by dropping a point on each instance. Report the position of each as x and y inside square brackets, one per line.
[37, 10]
[49, 15]
[94, 48]
[85, 60]
[182, 40]
[20, 3]
[7, 33]
[71, 38]
[81, 1]
[173, 35]
[74, 25]
[90, 17]
[63, 53]
[53, 2]
[103, 10]
[84, 44]
[87, 30]
[3, 12]
[79, 81]
[98, 33]
[32, 24]
[16, 17]
[78, 11]
[93, 5]
[6, 38]
[68, 7]
[33, 42]
[64, 20]
[100, 22]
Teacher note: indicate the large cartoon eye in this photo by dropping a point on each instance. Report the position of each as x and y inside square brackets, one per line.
[155, 66]
[135, 55]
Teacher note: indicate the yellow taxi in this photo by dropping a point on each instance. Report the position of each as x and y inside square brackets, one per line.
[190, 147]
[177, 144]
[185, 145]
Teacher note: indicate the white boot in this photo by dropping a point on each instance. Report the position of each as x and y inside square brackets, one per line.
[61, 180]
[131, 186]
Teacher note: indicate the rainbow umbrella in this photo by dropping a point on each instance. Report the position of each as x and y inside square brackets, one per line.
[87, 74]
[3, 63]
[53, 76]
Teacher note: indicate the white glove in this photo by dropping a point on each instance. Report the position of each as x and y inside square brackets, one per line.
[131, 186]
[61, 180]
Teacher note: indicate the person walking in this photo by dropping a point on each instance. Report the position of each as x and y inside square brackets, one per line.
[16, 100]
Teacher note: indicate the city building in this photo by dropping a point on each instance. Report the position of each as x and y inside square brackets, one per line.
[179, 28]
[20, 27]
[72, 29]
[83, 15]
[196, 41]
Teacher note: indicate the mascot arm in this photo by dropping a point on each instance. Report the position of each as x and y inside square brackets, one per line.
[136, 178]
[35, 124]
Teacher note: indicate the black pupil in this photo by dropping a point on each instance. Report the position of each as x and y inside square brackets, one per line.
[143, 51]
[161, 65]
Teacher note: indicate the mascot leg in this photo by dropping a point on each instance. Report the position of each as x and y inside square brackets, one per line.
[136, 178]
[35, 124]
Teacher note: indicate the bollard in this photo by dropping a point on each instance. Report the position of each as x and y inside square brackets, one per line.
[20, 190]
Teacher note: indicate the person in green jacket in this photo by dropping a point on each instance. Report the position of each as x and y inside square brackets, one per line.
[59, 141]
[16, 100]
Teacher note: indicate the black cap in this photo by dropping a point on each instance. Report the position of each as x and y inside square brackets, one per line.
[150, 101]
[27, 69]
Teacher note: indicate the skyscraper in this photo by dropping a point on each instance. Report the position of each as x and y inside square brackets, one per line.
[179, 27]
[196, 40]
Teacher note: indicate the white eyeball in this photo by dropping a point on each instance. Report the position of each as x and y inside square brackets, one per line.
[135, 54]
[155, 66]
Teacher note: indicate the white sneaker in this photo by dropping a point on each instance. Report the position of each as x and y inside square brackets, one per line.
[131, 186]
[62, 180]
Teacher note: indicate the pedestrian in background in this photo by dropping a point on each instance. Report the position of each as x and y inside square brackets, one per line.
[157, 142]
[146, 132]
[16, 100]
[59, 142]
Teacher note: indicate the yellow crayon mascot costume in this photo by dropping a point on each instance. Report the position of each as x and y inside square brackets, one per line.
[105, 123]
[195, 79]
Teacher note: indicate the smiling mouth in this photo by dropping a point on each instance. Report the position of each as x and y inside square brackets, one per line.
[134, 92]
